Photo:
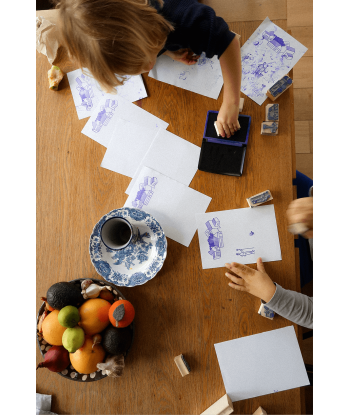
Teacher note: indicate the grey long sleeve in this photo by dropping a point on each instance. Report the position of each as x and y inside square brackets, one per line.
[293, 306]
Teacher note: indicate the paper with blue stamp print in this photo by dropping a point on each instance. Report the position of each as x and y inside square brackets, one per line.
[268, 55]
[240, 235]
[172, 156]
[171, 203]
[204, 78]
[261, 364]
[127, 147]
[109, 109]
[87, 92]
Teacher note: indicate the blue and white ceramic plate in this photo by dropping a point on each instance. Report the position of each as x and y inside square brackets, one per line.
[140, 261]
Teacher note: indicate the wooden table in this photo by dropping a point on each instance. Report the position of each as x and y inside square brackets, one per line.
[184, 309]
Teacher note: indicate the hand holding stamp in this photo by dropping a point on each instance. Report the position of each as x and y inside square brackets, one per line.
[300, 217]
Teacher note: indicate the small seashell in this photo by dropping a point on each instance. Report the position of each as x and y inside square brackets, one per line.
[64, 372]
[73, 375]
[115, 292]
[84, 377]
[92, 375]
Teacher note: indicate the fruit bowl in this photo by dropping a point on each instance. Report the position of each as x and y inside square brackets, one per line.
[70, 373]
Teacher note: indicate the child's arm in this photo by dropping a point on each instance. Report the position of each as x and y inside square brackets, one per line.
[291, 305]
[231, 67]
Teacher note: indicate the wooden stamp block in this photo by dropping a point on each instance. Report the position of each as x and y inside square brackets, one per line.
[182, 365]
[265, 311]
[279, 87]
[260, 198]
[260, 411]
[269, 128]
[241, 102]
[272, 112]
[221, 407]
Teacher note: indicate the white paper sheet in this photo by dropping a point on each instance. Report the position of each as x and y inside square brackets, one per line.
[170, 202]
[261, 364]
[240, 235]
[103, 120]
[204, 78]
[87, 92]
[172, 156]
[127, 147]
[267, 55]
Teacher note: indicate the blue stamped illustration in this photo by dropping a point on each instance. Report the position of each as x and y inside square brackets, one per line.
[245, 251]
[251, 233]
[144, 195]
[184, 75]
[264, 197]
[215, 237]
[86, 93]
[266, 312]
[266, 57]
[273, 127]
[272, 113]
[280, 86]
[105, 114]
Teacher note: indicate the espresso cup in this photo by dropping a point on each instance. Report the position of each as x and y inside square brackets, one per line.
[116, 233]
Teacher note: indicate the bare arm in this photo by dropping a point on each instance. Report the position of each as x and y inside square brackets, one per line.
[231, 68]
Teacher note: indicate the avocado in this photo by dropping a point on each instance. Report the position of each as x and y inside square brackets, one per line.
[61, 294]
[116, 340]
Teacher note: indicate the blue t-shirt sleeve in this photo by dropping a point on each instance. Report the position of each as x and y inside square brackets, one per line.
[208, 33]
[196, 27]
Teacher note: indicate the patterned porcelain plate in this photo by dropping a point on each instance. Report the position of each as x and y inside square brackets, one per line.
[70, 373]
[140, 261]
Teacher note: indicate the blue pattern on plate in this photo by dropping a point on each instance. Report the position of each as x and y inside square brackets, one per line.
[147, 250]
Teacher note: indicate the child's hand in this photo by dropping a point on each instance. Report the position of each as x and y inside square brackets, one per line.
[254, 282]
[301, 211]
[227, 122]
[185, 56]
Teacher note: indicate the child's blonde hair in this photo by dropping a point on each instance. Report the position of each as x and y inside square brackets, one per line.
[111, 37]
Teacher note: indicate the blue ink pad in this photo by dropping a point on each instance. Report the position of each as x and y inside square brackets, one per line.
[224, 155]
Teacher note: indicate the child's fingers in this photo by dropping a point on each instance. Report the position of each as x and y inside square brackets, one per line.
[220, 128]
[241, 270]
[233, 278]
[237, 287]
[260, 265]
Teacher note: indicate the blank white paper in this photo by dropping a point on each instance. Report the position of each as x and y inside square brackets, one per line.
[172, 204]
[103, 120]
[172, 156]
[240, 235]
[204, 78]
[127, 147]
[261, 364]
[87, 92]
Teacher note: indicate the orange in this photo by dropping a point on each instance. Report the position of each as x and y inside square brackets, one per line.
[128, 316]
[85, 359]
[94, 315]
[52, 330]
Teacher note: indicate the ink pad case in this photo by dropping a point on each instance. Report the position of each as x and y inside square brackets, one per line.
[224, 155]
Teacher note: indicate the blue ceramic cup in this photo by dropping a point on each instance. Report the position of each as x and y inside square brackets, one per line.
[116, 233]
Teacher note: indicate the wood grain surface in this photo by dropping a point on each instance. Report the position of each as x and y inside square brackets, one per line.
[184, 309]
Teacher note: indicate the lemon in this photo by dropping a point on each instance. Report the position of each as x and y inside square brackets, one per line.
[73, 339]
[69, 316]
